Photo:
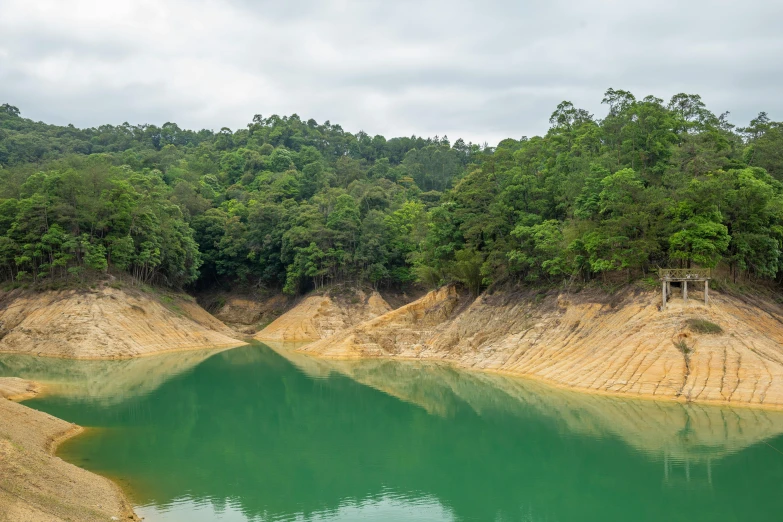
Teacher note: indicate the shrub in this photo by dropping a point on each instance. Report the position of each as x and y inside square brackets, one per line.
[683, 347]
[649, 283]
[703, 326]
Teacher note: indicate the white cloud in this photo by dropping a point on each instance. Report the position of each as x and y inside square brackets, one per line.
[482, 71]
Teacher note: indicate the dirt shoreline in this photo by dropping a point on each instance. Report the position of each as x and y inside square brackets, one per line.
[620, 345]
[296, 346]
[37, 486]
[17, 390]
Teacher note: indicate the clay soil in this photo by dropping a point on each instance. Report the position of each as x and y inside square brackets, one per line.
[106, 323]
[322, 316]
[619, 344]
[36, 486]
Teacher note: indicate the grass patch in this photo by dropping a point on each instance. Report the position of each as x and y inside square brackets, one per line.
[683, 347]
[686, 350]
[171, 303]
[649, 283]
[703, 326]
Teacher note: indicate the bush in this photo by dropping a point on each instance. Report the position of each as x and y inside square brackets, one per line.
[683, 347]
[703, 326]
[649, 283]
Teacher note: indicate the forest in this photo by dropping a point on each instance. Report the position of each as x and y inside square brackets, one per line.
[295, 205]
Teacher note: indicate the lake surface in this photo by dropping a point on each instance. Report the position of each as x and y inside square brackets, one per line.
[265, 434]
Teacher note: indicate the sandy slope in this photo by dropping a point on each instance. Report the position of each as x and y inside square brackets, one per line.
[618, 344]
[36, 486]
[104, 324]
[321, 316]
[246, 312]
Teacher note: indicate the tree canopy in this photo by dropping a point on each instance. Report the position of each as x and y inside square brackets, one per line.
[296, 205]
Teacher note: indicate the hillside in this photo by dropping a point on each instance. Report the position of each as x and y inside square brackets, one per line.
[105, 323]
[620, 344]
[245, 312]
[321, 316]
[289, 205]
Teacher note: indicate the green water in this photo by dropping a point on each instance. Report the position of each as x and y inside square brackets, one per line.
[257, 434]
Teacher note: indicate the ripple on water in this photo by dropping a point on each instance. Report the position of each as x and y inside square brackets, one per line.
[387, 507]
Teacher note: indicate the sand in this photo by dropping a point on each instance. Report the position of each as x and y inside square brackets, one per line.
[36, 486]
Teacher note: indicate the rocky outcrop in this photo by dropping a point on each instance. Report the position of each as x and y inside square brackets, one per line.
[621, 344]
[322, 316]
[36, 486]
[106, 323]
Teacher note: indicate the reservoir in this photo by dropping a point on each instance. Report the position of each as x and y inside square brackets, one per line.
[261, 433]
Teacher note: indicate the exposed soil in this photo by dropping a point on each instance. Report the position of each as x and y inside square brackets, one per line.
[106, 323]
[618, 344]
[320, 316]
[16, 389]
[246, 312]
[36, 486]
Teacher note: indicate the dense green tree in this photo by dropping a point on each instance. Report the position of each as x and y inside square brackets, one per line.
[296, 205]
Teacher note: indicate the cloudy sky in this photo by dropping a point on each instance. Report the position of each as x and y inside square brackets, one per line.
[478, 70]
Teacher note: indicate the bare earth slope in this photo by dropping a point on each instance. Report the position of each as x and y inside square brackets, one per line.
[36, 486]
[246, 312]
[321, 316]
[105, 324]
[590, 341]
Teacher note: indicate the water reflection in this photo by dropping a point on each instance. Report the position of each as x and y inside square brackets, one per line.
[666, 428]
[387, 507]
[105, 381]
[245, 433]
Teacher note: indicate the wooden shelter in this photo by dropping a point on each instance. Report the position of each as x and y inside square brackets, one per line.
[683, 276]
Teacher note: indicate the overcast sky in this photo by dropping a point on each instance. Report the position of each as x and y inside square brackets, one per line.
[483, 71]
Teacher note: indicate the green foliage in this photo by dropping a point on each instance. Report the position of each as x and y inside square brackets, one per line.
[298, 205]
[542, 251]
[683, 347]
[467, 269]
[649, 283]
[704, 327]
[95, 257]
[701, 241]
